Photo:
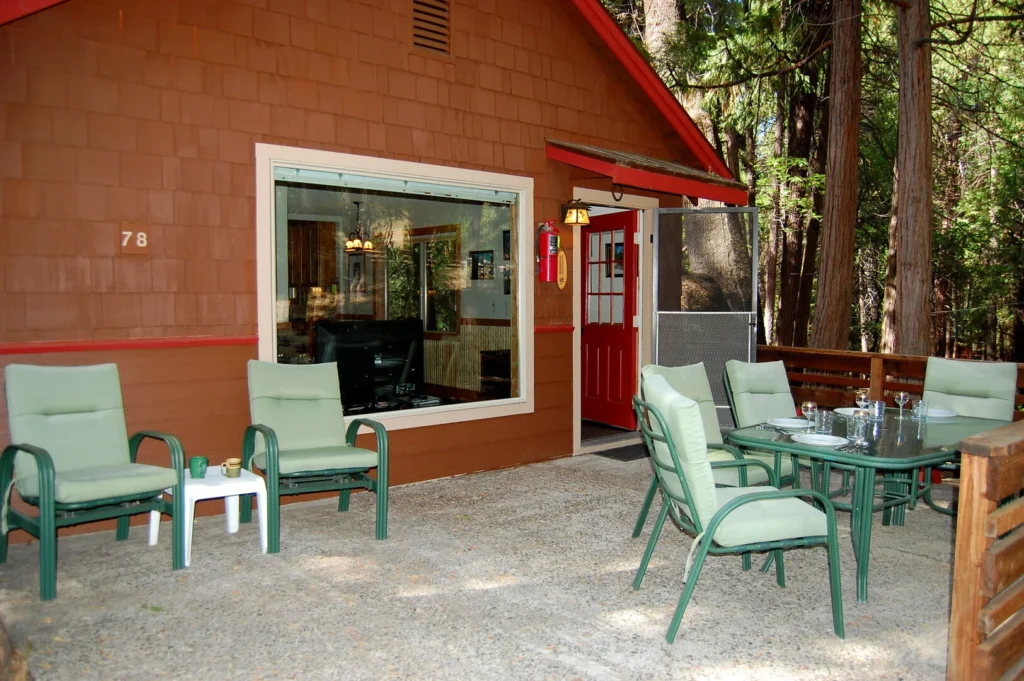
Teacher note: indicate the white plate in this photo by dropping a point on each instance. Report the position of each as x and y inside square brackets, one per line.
[817, 440]
[846, 411]
[790, 424]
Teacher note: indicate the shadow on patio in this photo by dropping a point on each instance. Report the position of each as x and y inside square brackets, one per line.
[516, 574]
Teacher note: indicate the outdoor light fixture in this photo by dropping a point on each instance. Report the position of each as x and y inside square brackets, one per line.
[576, 213]
[356, 242]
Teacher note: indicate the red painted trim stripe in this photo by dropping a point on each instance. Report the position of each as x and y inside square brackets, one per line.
[46, 347]
[652, 85]
[554, 328]
[646, 179]
[11, 10]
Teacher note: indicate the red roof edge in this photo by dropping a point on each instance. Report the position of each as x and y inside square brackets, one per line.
[638, 68]
[11, 10]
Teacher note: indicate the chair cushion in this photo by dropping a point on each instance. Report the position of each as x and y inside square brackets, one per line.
[301, 403]
[691, 381]
[760, 391]
[74, 413]
[320, 459]
[682, 418]
[982, 389]
[101, 482]
[766, 520]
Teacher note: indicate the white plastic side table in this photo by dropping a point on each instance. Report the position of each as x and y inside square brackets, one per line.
[215, 486]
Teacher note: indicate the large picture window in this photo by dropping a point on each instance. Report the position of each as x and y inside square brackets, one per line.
[412, 287]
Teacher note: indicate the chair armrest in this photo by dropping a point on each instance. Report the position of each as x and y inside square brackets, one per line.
[381, 434]
[736, 453]
[378, 428]
[44, 464]
[733, 504]
[173, 444]
[269, 439]
[772, 477]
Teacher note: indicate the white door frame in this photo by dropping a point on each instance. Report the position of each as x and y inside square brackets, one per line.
[645, 205]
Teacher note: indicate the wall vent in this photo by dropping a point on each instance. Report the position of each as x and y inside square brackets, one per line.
[431, 25]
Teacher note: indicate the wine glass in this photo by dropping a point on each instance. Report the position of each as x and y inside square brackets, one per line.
[862, 398]
[807, 409]
[901, 399]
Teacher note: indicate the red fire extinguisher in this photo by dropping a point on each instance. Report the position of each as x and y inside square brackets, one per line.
[547, 251]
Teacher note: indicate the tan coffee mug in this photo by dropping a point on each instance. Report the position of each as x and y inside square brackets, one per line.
[232, 468]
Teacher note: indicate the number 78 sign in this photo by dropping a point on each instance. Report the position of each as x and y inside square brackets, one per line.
[133, 239]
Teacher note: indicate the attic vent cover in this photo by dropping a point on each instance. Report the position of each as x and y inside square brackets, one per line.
[430, 25]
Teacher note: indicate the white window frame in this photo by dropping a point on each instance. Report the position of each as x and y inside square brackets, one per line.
[269, 156]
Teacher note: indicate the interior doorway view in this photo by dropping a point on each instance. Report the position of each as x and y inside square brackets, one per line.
[608, 338]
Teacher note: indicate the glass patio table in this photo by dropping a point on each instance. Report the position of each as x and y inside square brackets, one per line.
[894, 446]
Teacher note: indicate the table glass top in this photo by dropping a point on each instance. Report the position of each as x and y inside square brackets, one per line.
[891, 438]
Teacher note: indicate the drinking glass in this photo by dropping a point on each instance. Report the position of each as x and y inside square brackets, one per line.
[863, 396]
[823, 421]
[920, 410]
[877, 409]
[860, 424]
[901, 399]
[808, 409]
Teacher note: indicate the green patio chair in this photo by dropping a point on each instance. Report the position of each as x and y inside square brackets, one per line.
[724, 520]
[692, 381]
[758, 391]
[303, 445]
[981, 389]
[72, 459]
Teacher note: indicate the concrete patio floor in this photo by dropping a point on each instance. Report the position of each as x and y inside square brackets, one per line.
[517, 574]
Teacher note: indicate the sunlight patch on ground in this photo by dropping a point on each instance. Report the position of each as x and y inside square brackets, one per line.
[502, 580]
[340, 568]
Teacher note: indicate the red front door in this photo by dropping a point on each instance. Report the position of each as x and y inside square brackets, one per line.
[609, 258]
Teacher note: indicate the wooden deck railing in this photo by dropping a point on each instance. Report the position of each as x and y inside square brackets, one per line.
[831, 377]
[986, 629]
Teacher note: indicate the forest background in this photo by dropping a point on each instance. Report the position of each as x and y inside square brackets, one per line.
[883, 143]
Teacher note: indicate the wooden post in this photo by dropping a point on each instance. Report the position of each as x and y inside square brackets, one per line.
[877, 377]
[971, 543]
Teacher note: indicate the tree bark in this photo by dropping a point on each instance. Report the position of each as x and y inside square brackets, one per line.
[808, 268]
[660, 19]
[910, 290]
[801, 128]
[835, 280]
[771, 253]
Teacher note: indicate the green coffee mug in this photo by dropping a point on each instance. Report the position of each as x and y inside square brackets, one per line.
[197, 466]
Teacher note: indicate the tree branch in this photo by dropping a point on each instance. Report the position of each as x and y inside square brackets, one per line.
[764, 74]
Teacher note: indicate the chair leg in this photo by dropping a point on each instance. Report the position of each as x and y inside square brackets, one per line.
[3, 548]
[652, 489]
[746, 561]
[343, 496]
[780, 569]
[47, 550]
[123, 524]
[273, 515]
[691, 583]
[245, 508]
[178, 529]
[382, 498]
[649, 551]
[834, 579]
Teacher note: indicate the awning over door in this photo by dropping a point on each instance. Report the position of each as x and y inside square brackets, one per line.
[644, 172]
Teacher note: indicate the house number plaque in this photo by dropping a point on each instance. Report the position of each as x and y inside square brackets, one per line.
[133, 238]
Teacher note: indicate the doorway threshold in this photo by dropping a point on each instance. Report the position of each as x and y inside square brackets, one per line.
[601, 444]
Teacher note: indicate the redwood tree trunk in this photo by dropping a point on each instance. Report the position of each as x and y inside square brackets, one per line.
[909, 324]
[808, 268]
[839, 218]
[660, 19]
[801, 125]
